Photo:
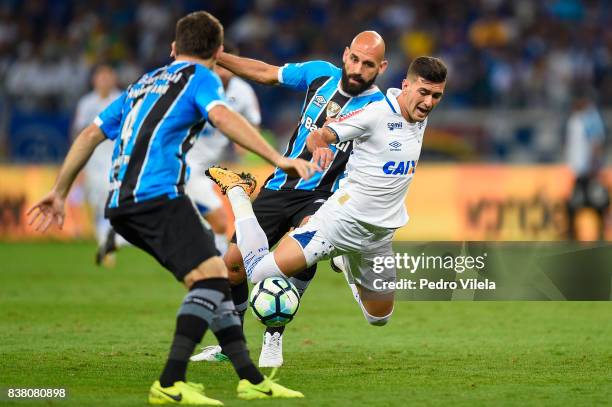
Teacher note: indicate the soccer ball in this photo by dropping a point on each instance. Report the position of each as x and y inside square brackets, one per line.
[274, 301]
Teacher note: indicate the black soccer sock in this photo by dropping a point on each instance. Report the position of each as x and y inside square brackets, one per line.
[273, 329]
[240, 296]
[195, 315]
[302, 280]
[228, 330]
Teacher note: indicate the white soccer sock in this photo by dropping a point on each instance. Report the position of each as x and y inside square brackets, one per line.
[355, 292]
[221, 243]
[372, 320]
[120, 241]
[241, 204]
[252, 242]
[265, 267]
[349, 281]
[102, 228]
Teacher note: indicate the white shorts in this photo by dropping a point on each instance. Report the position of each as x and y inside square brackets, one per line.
[331, 232]
[97, 174]
[201, 190]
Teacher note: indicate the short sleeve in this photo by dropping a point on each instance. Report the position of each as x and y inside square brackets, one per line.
[299, 76]
[208, 92]
[358, 123]
[109, 121]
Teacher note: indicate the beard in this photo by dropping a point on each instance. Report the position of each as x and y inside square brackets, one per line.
[355, 89]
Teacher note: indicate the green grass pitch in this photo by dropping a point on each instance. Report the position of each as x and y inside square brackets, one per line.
[104, 334]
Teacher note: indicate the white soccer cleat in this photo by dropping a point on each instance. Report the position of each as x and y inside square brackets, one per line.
[272, 350]
[209, 354]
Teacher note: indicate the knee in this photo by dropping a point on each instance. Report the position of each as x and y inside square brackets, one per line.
[217, 220]
[211, 268]
[236, 275]
[233, 262]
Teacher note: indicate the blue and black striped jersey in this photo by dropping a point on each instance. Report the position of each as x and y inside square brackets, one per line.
[324, 99]
[154, 123]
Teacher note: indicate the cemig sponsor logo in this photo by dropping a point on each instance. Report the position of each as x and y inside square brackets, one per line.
[394, 125]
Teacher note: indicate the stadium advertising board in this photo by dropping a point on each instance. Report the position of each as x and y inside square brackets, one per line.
[446, 203]
[21, 186]
[490, 202]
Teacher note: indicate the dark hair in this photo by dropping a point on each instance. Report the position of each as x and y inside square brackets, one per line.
[198, 34]
[230, 48]
[429, 68]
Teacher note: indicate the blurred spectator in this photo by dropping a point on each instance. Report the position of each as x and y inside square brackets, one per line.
[585, 146]
[501, 53]
[98, 168]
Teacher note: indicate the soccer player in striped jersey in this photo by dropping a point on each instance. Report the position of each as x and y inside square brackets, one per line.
[153, 124]
[287, 201]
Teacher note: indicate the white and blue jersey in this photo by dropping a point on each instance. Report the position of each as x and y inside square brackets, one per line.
[324, 100]
[154, 123]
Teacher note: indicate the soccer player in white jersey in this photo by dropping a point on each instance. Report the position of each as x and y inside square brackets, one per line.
[358, 221]
[104, 81]
[210, 147]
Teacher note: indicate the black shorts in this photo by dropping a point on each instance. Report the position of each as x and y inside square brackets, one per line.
[170, 230]
[279, 211]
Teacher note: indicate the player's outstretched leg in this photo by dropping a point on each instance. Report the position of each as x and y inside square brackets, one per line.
[251, 239]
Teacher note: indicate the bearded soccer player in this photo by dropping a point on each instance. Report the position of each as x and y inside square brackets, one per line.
[153, 124]
[358, 221]
[286, 201]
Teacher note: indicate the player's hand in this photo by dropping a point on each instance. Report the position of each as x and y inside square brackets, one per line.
[47, 211]
[298, 167]
[316, 140]
[323, 156]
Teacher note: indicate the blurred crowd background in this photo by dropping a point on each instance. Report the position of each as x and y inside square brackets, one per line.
[515, 66]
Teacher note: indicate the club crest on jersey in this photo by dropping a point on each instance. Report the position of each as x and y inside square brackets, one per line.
[320, 100]
[394, 125]
[399, 168]
[395, 145]
[332, 109]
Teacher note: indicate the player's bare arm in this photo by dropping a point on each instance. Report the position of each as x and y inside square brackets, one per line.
[50, 209]
[318, 143]
[252, 69]
[244, 134]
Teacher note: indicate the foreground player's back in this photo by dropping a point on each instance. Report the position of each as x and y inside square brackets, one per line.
[155, 121]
